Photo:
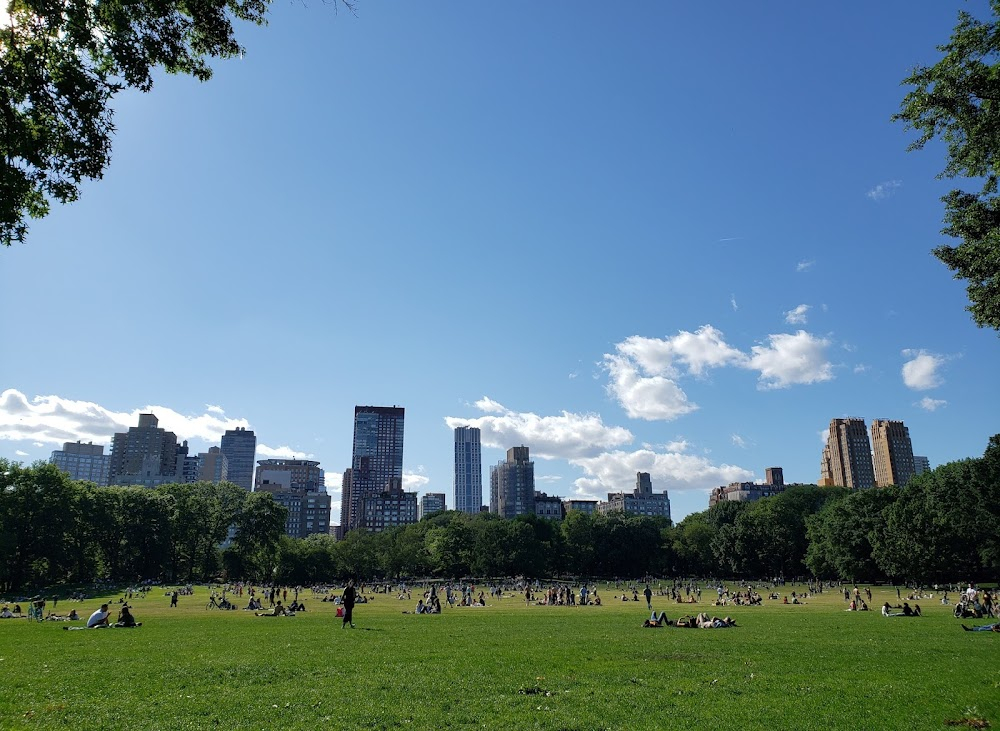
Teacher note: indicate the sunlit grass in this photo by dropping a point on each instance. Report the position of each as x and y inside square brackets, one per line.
[502, 666]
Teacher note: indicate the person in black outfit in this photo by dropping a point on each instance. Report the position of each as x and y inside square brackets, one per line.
[348, 601]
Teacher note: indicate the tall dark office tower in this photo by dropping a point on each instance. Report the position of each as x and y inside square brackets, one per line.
[144, 455]
[512, 485]
[468, 470]
[377, 462]
[240, 447]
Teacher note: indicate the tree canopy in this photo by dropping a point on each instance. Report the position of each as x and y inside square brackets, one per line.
[957, 100]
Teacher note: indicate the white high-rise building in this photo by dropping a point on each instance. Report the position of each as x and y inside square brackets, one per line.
[468, 470]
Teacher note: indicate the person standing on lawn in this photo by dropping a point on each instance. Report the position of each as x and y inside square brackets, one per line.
[648, 593]
[348, 602]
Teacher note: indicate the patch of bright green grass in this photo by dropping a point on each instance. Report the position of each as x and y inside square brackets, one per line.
[813, 666]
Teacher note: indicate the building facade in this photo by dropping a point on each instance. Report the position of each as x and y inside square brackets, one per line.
[921, 465]
[892, 453]
[512, 484]
[431, 502]
[299, 485]
[641, 501]
[240, 449]
[376, 462]
[213, 466]
[582, 506]
[468, 470]
[86, 462]
[549, 507]
[388, 510]
[144, 455]
[847, 456]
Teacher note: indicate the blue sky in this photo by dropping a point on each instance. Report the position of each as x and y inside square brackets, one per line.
[669, 237]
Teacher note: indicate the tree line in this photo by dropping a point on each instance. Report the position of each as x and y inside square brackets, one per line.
[943, 526]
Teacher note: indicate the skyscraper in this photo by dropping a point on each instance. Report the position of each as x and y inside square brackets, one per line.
[847, 456]
[892, 453]
[377, 461]
[921, 465]
[144, 455]
[240, 447]
[83, 462]
[213, 466]
[468, 470]
[512, 484]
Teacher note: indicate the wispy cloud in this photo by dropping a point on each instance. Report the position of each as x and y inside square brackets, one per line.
[19, 453]
[884, 190]
[931, 404]
[282, 452]
[732, 301]
[804, 265]
[798, 315]
[862, 368]
[739, 441]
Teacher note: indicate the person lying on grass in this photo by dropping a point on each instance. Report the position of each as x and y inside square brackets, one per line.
[657, 620]
[983, 628]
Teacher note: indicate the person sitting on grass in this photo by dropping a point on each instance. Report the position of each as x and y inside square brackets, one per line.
[73, 616]
[99, 619]
[277, 611]
[983, 628]
[126, 619]
[908, 612]
[5, 613]
[420, 607]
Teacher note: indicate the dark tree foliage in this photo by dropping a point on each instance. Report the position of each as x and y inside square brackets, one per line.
[957, 100]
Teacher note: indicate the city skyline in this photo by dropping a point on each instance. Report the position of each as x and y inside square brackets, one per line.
[705, 256]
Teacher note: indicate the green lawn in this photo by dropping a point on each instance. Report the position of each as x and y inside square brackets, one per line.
[502, 666]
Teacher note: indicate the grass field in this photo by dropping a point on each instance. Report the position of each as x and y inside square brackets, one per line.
[502, 666]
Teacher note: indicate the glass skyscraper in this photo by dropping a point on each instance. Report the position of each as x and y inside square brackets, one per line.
[468, 470]
[377, 462]
[240, 447]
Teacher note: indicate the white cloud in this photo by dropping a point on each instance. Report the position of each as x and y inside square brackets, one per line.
[282, 452]
[19, 453]
[791, 359]
[705, 348]
[413, 482]
[804, 265]
[884, 190]
[54, 420]
[921, 372]
[672, 471]
[212, 409]
[732, 301]
[824, 436]
[645, 397]
[565, 436]
[739, 441]
[797, 316]
[931, 404]
[489, 406]
[862, 368]
[548, 478]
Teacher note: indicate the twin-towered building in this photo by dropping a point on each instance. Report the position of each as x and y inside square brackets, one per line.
[850, 459]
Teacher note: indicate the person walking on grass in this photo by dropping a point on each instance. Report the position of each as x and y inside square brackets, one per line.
[348, 603]
[648, 593]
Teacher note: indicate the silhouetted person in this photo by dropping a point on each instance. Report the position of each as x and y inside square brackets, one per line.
[348, 602]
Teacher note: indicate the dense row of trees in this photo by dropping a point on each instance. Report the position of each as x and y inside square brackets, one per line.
[55, 529]
[943, 526]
